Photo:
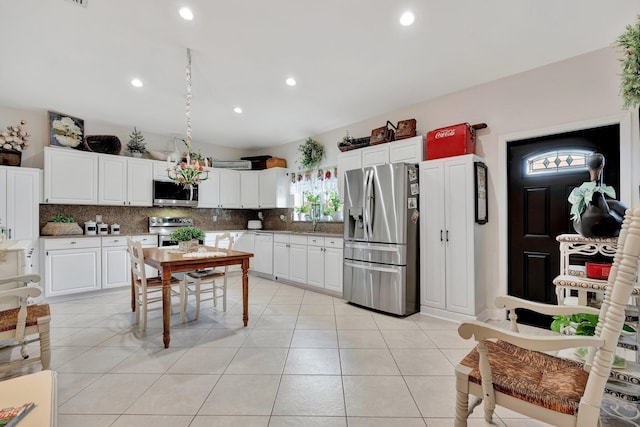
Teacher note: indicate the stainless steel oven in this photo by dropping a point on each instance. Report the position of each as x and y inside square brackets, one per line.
[164, 225]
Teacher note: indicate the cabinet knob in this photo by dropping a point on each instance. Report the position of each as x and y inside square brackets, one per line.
[73, 243]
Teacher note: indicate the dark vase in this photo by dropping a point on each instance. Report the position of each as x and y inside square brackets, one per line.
[601, 218]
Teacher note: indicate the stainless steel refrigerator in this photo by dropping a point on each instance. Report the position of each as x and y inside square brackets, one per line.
[381, 248]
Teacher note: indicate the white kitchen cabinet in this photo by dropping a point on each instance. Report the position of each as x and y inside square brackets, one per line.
[375, 155]
[449, 239]
[298, 258]
[324, 263]
[70, 177]
[160, 170]
[315, 261]
[19, 202]
[71, 265]
[116, 269]
[249, 189]
[281, 256]
[410, 150]
[220, 190]
[262, 261]
[274, 188]
[333, 259]
[124, 181]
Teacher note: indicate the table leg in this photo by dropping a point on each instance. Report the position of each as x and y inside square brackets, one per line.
[245, 291]
[166, 307]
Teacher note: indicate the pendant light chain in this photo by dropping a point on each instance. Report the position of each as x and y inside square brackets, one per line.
[188, 110]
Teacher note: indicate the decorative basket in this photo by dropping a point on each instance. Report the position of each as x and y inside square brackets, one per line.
[61, 229]
[10, 157]
[107, 144]
[355, 144]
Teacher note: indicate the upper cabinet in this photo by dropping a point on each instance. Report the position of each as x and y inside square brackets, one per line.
[70, 177]
[19, 202]
[268, 188]
[410, 150]
[124, 181]
[220, 190]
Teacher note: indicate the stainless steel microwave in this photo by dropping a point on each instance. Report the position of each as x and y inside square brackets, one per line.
[167, 193]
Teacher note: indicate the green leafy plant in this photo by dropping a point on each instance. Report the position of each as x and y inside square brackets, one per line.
[184, 234]
[311, 153]
[312, 198]
[581, 196]
[334, 200]
[629, 43]
[580, 324]
[62, 218]
[136, 144]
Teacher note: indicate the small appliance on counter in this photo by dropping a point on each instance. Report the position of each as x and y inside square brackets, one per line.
[90, 228]
[254, 224]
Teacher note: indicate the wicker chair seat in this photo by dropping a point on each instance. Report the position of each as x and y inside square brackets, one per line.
[538, 378]
[209, 273]
[9, 318]
[157, 281]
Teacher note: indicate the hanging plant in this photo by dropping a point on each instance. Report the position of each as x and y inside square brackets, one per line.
[629, 43]
[311, 153]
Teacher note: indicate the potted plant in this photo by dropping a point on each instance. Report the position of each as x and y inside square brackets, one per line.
[334, 202]
[13, 142]
[303, 211]
[188, 238]
[136, 146]
[61, 225]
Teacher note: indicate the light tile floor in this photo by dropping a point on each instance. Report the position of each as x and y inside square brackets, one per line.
[306, 359]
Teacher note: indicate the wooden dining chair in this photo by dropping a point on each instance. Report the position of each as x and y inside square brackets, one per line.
[194, 280]
[509, 369]
[148, 290]
[24, 323]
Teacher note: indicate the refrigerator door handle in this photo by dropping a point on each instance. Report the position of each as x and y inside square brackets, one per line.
[369, 203]
[366, 267]
[365, 213]
[369, 247]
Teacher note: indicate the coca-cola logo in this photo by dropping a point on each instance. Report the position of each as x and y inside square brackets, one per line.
[445, 133]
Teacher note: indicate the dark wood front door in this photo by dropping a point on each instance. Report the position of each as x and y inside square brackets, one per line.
[539, 210]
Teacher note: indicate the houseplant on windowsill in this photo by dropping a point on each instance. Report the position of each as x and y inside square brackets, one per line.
[188, 238]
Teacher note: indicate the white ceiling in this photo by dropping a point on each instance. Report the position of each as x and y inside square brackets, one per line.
[351, 58]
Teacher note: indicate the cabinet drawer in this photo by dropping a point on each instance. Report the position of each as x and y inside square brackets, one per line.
[315, 241]
[145, 239]
[114, 241]
[281, 238]
[71, 243]
[297, 240]
[333, 242]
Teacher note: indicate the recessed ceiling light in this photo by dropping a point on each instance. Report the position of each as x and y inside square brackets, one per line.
[291, 81]
[237, 110]
[136, 83]
[186, 13]
[407, 18]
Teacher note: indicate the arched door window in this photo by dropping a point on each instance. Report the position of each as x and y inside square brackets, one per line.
[558, 161]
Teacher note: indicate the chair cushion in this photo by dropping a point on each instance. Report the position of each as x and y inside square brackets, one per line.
[538, 378]
[157, 281]
[8, 318]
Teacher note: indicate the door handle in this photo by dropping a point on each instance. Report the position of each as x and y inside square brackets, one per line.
[364, 267]
[447, 235]
[441, 235]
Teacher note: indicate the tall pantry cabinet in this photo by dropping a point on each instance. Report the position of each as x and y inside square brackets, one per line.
[450, 285]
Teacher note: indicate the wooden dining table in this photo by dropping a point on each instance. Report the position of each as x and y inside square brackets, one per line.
[169, 260]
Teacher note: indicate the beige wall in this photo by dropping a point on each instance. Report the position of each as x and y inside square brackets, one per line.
[574, 90]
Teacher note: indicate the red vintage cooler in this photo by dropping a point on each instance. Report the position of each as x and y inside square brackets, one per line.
[451, 141]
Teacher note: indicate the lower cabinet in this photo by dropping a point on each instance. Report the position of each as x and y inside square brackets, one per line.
[290, 257]
[262, 261]
[73, 265]
[281, 256]
[324, 263]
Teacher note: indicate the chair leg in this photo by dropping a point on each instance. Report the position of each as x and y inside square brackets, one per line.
[198, 282]
[183, 297]
[144, 307]
[45, 344]
[137, 306]
[462, 409]
[224, 293]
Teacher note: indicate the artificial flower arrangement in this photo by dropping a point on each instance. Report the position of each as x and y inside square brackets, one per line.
[189, 171]
[15, 138]
[67, 132]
